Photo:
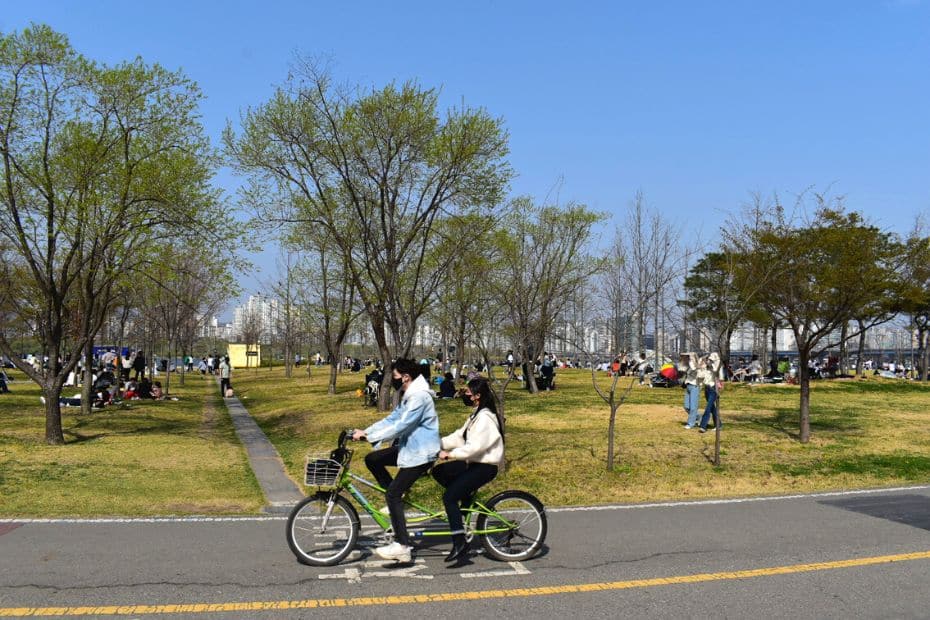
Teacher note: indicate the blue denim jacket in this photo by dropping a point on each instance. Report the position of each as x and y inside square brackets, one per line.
[414, 423]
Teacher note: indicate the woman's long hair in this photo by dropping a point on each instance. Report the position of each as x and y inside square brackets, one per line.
[487, 399]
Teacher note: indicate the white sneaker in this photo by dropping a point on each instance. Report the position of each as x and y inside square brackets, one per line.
[394, 551]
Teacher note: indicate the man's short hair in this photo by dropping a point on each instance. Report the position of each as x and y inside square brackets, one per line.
[405, 366]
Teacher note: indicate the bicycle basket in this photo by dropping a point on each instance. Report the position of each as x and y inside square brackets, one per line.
[322, 471]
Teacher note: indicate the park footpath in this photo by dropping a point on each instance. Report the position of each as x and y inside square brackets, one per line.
[280, 491]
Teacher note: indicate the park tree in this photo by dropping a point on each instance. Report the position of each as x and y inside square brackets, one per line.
[179, 292]
[462, 297]
[376, 171]
[713, 301]
[98, 164]
[544, 258]
[830, 266]
[326, 300]
[916, 299]
[647, 262]
[286, 288]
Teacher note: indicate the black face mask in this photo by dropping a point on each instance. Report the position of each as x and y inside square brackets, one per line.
[467, 400]
[397, 383]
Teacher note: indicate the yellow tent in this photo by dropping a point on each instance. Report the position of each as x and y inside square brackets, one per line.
[245, 355]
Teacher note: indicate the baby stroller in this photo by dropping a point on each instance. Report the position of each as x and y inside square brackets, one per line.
[371, 393]
[666, 377]
[373, 387]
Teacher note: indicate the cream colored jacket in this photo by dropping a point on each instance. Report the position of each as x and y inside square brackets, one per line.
[484, 443]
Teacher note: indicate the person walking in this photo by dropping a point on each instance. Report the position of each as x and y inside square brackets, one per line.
[412, 429]
[474, 454]
[710, 377]
[225, 374]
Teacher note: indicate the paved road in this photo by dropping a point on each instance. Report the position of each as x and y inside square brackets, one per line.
[859, 555]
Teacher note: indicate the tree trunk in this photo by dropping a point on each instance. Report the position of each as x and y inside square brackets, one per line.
[611, 427]
[923, 340]
[333, 374]
[53, 431]
[805, 380]
[774, 364]
[167, 368]
[844, 331]
[656, 344]
[529, 377]
[87, 386]
[725, 353]
[861, 351]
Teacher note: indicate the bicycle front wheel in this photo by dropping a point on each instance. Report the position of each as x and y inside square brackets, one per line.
[516, 527]
[320, 536]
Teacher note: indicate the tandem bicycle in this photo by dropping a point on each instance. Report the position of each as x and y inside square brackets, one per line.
[324, 528]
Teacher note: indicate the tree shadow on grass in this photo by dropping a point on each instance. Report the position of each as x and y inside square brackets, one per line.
[786, 421]
[99, 426]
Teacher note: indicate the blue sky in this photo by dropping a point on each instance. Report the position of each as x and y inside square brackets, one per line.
[697, 104]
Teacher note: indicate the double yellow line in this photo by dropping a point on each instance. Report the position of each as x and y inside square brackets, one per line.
[444, 597]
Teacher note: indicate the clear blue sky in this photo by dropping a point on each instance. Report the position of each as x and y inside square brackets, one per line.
[697, 104]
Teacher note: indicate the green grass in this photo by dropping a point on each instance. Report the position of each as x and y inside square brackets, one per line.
[153, 458]
[176, 458]
[866, 433]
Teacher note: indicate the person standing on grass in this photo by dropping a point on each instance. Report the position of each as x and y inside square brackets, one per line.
[138, 364]
[710, 377]
[687, 368]
[412, 430]
[225, 374]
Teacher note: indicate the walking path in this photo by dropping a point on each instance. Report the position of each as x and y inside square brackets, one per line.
[280, 491]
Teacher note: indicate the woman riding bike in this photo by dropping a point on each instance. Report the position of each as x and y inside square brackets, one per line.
[474, 453]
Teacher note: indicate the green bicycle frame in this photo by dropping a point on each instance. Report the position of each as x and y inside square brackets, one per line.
[426, 515]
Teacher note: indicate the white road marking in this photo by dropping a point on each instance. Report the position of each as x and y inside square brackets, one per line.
[255, 519]
[355, 573]
[518, 569]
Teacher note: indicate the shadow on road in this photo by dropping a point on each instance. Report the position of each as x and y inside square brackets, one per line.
[913, 510]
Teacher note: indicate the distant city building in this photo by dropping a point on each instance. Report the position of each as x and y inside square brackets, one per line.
[260, 315]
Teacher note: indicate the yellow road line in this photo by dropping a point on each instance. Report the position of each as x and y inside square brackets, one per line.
[444, 597]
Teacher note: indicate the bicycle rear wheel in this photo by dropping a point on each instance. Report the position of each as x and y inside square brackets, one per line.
[319, 540]
[517, 525]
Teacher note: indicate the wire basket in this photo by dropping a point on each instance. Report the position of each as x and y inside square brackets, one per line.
[322, 471]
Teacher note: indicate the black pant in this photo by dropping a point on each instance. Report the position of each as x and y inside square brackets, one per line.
[461, 480]
[377, 462]
[224, 385]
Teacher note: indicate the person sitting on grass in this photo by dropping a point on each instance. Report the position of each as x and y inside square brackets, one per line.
[145, 388]
[447, 387]
[131, 390]
[157, 393]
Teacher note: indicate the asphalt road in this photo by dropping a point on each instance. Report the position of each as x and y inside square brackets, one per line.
[850, 555]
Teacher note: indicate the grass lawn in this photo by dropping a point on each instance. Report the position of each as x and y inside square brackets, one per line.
[153, 458]
[865, 433]
[182, 457]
